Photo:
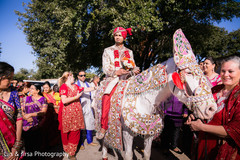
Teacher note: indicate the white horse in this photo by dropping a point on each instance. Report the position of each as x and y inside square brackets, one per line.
[139, 97]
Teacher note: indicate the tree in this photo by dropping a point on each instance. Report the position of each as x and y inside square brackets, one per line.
[24, 74]
[216, 44]
[71, 34]
[233, 46]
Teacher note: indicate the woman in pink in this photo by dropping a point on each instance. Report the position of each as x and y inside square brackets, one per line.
[208, 69]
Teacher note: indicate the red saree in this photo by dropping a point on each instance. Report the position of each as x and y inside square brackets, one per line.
[7, 129]
[229, 117]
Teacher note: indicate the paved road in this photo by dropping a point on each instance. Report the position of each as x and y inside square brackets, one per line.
[94, 153]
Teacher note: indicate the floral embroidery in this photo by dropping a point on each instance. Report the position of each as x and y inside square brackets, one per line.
[116, 59]
[72, 116]
[117, 64]
[153, 78]
[113, 135]
[116, 54]
[72, 149]
[98, 104]
[126, 53]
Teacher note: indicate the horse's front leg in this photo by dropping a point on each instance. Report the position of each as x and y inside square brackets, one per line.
[128, 142]
[104, 152]
[147, 147]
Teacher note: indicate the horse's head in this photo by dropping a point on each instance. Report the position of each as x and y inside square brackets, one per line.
[190, 79]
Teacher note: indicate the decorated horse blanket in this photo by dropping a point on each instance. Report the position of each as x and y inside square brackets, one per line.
[123, 104]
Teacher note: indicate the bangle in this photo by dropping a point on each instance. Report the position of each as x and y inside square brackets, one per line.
[18, 145]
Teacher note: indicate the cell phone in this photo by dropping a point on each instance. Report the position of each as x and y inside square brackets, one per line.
[79, 91]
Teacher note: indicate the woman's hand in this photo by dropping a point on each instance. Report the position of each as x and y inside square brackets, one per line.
[190, 119]
[79, 94]
[194, 125]
[30, 120]
[14, 155]
[27, 116]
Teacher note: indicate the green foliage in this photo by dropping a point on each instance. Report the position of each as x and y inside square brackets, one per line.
[71, 34]
[215, 44]
[25, 74]
[233, 47]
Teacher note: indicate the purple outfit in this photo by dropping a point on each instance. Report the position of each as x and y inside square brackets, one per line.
[174, 109]
[173, 121]
[31, 105]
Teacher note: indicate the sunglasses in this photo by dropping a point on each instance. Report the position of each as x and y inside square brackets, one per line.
[82, 75]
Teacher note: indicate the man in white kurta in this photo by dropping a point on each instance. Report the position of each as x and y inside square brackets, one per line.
[115, 68]
[86, 101]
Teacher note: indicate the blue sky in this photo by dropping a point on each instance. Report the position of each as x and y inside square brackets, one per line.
[15, 49]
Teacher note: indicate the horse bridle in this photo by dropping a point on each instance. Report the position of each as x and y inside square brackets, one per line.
[194, 98]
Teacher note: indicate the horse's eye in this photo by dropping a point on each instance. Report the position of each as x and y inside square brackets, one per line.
[188, 71]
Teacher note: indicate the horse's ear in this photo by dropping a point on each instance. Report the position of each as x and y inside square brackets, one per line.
[176, 80]
[182, 51]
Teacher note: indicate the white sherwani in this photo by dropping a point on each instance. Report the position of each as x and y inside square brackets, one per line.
[86, 108]
[109, 68]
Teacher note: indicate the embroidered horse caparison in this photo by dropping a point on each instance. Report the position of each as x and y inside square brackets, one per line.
[123, 103]
[136, 100]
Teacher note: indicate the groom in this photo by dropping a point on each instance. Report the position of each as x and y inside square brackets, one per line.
[115, 69]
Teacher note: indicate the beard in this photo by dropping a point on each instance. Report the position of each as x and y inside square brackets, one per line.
[118, 43]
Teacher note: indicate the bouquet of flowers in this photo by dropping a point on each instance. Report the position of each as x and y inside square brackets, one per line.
[127, 63]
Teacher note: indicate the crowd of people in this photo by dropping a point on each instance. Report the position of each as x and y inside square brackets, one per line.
[34, 117]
